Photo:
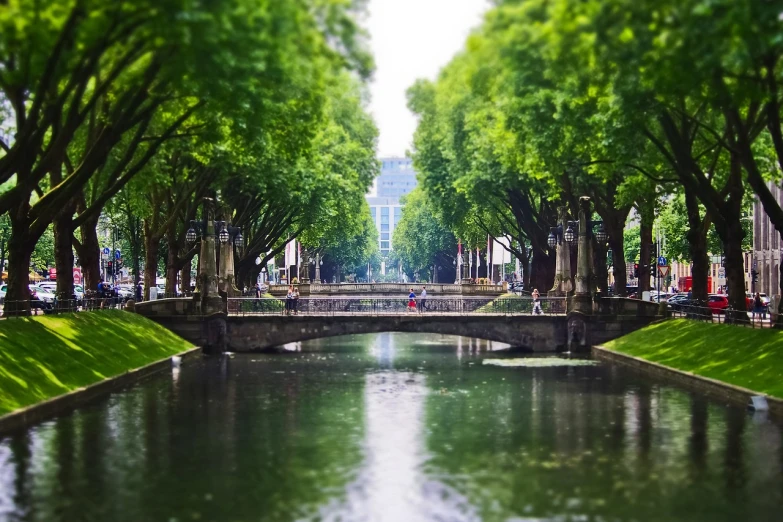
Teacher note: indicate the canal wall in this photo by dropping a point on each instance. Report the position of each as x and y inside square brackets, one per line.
[714, 388]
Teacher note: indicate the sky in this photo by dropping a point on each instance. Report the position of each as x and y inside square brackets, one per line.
[412, 39]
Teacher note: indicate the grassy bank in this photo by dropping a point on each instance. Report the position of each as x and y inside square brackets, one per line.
[42, 357]
[732, 354]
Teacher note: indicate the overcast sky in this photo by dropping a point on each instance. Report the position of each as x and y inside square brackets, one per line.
[412, 39]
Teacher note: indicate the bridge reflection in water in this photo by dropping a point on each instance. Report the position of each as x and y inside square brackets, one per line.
[395, 427]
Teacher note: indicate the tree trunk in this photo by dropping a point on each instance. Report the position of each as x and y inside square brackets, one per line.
[620, 271]
[20, 249]
[151, 250]
[525, 266]
[646, 262]
[63, 258]
[697, 241]
[90, 255]
[729, 228]
[542, 271]
[185, 278]
[172, 261]
[735, 270]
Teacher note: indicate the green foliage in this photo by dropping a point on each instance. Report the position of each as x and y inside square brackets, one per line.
[419, 238]
[710, 350]
[43, 255]
[632, 242]
[44, 357]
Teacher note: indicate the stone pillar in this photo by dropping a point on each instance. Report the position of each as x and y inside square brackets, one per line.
[583, 296]
[563, 284]
[305, 275]
[210, 303]
[318, 268]
[226, 281]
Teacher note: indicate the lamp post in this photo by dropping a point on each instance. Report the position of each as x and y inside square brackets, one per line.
[559, 240]
[584, 267]
[229, 237]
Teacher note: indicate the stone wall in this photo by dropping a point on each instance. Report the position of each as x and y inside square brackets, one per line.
[535, 333]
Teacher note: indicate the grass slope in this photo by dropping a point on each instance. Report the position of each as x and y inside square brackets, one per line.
[732, 354]
[42, 357]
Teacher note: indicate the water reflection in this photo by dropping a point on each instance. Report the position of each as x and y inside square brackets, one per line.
[394, 427]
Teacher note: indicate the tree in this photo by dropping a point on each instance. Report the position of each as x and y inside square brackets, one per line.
[421, 242]
[97, 87]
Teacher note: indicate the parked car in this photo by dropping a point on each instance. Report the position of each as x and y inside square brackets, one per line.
[681, 302]
[125, 292]
[717, 303]
[3, 290]
[41, 298]
[79, 291]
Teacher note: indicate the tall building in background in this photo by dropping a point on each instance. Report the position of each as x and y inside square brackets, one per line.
[396, 180]
[766, 246]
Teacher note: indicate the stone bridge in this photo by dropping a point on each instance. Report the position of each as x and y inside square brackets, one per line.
[539, 333]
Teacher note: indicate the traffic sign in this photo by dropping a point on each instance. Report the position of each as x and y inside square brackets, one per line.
[663, 270]
[106, 251]
[661, 261]
[117, 254]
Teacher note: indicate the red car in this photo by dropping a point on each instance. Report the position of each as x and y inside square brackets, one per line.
[718, 303]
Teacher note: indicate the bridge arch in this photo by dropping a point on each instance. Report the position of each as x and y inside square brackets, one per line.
[536, 333]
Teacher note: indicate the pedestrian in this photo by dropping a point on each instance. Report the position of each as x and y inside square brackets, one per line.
[758, 306]
[258, 291]
[289, 299]
[423, 299]
[296, 301]
[101, 290]
[139, 292]
[412, 301]
[536, 302]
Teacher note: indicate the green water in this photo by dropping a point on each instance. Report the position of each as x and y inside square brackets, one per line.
[395, 427]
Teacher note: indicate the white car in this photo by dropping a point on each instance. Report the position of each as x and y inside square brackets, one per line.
[44, 294]
[51, 287]
[3, 290]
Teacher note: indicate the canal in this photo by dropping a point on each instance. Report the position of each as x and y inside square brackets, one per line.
[395, 427]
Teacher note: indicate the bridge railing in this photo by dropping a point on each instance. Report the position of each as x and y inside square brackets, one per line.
[248, 306]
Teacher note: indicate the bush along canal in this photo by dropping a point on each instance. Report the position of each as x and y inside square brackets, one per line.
[396, 427]
[48, 356]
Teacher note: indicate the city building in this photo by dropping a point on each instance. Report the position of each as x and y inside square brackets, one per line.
[766, 247]
[397, 179]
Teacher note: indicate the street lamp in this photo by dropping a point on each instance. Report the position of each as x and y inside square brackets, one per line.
[227, 232]
[569, 234]
[556, 234]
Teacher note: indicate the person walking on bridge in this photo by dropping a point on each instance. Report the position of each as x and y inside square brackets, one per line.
[412, 301]
[536, 302]
[423, 299]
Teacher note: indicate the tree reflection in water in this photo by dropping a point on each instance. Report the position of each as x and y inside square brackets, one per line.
[394, 427]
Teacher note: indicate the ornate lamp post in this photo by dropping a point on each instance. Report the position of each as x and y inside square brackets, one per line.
[209, 230]
[560, 239]
[583, 298]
